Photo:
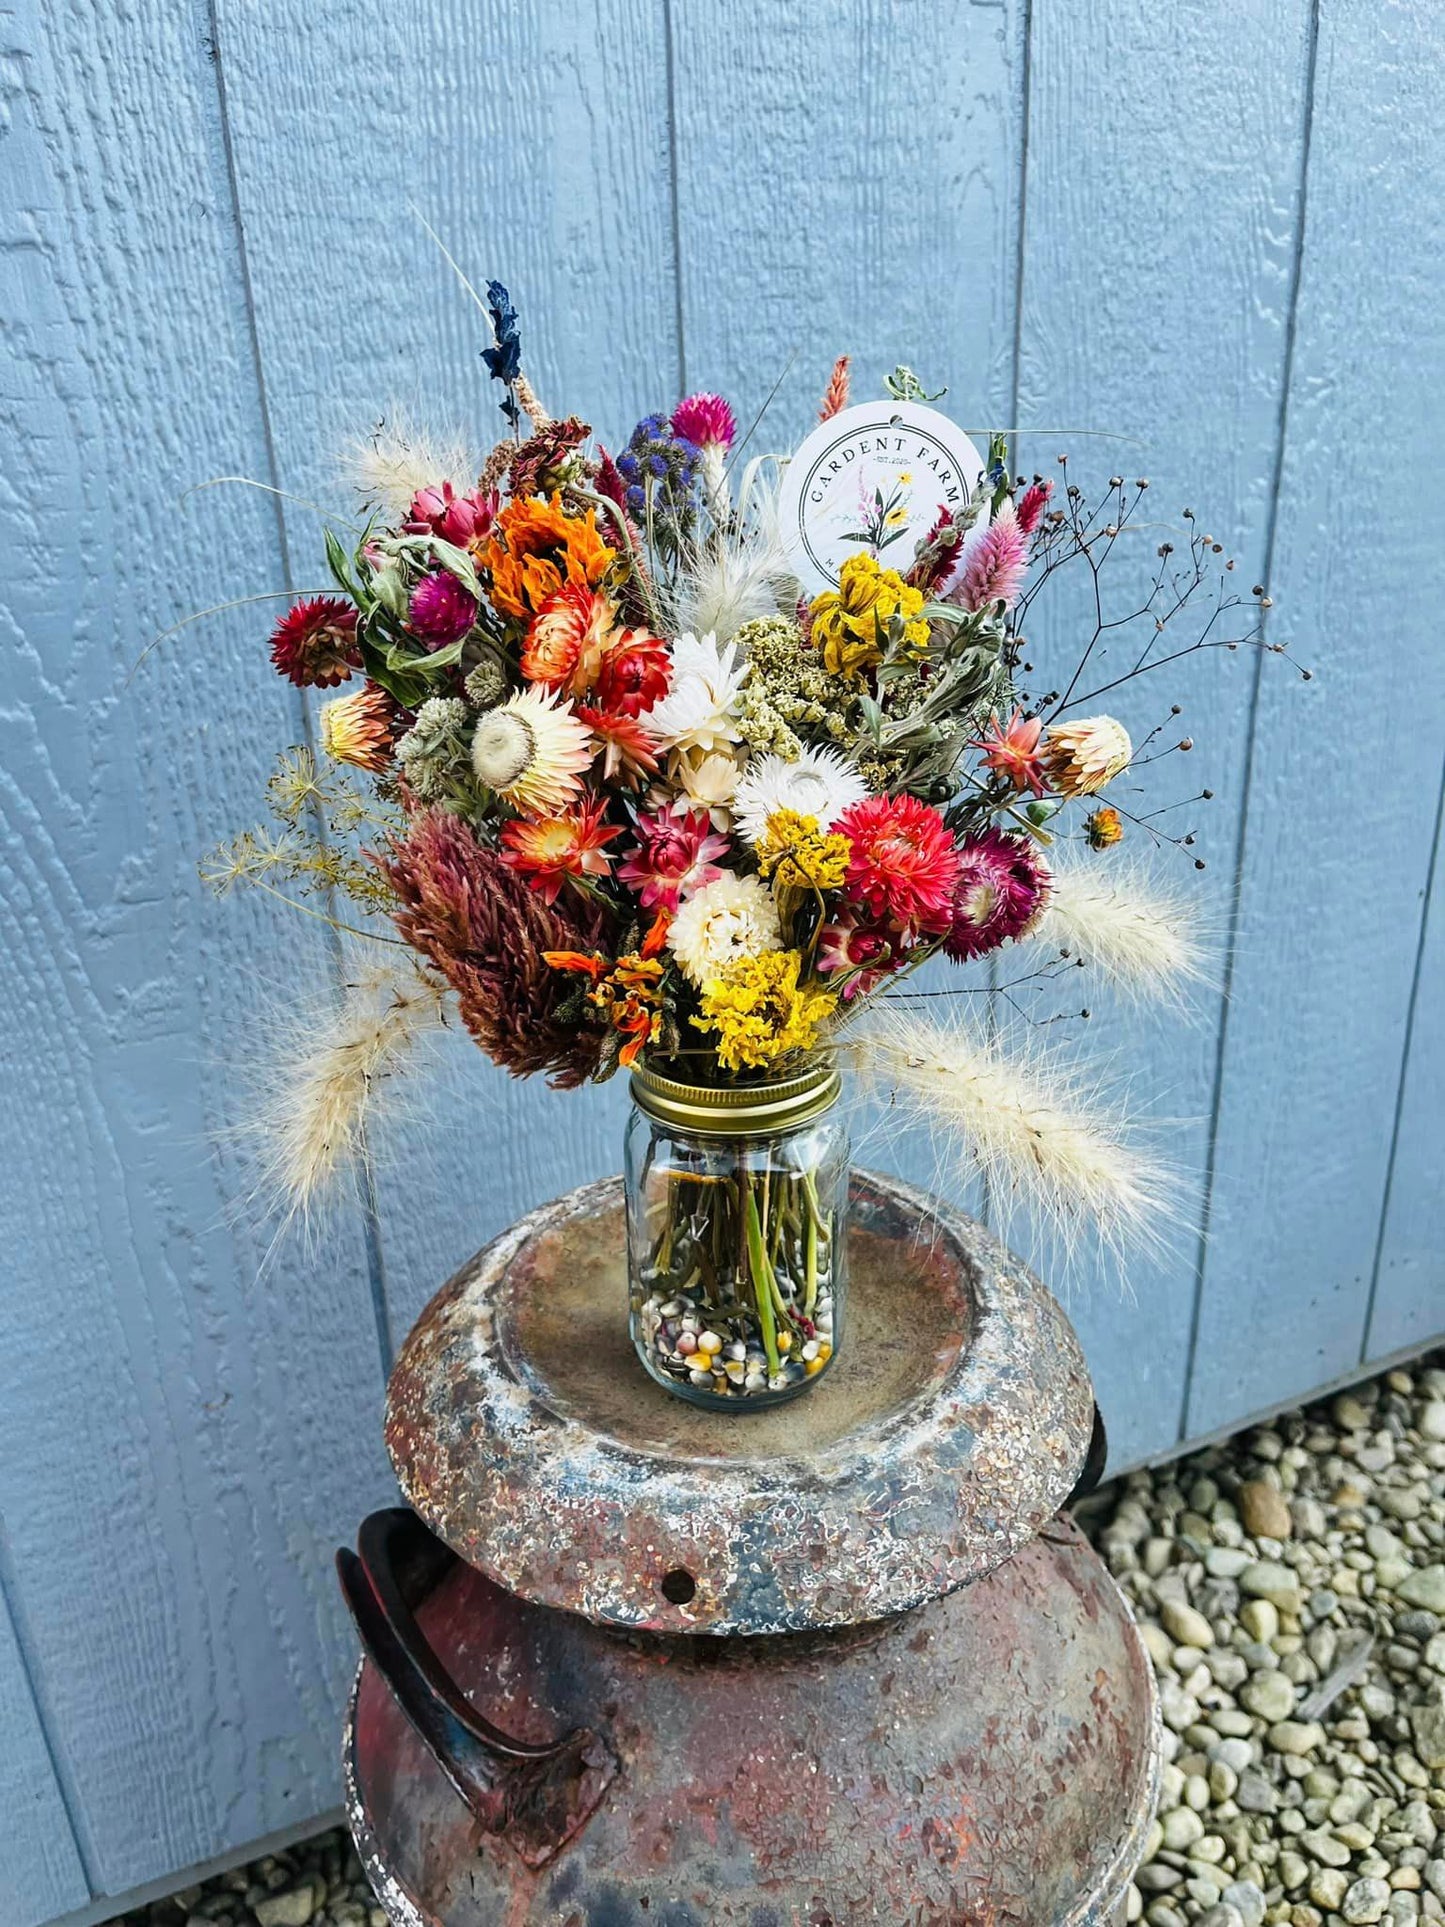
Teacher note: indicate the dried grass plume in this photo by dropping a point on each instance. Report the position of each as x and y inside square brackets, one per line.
[390, 465]
[1125, 923]
[1039, 1130]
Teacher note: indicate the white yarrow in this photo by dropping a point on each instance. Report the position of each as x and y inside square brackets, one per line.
[820, 783]
[729, 918]
[699, 711]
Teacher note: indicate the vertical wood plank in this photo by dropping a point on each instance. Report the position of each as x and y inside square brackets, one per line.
[40, 1870]
[1340, 820]
[535, 140]
[181, 1442]
[1408, 1306]
[1160, 228]
[832, 199]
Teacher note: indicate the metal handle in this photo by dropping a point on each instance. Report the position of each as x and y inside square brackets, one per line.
[1096, 1460]
[539, 1796]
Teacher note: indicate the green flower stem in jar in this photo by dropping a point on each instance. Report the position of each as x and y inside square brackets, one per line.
[736, 1229]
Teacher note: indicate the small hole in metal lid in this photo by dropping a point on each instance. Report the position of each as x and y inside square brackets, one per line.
[678, 1586]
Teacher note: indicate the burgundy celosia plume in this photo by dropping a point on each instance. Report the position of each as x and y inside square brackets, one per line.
[476, 921]
[1032, 504]
[995, 561]
[441, 611]
[1002, 886]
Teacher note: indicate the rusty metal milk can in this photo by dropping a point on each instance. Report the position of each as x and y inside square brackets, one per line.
[635, 1664]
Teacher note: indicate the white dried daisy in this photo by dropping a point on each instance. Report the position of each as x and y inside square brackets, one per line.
[699, 712]
[1084, 756]
[708, 782]
[730, 917]
[821, 784]
[532, 750]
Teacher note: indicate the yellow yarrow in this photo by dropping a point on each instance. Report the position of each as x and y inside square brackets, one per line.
[850, 624]
[797, 855]
[759, 1011]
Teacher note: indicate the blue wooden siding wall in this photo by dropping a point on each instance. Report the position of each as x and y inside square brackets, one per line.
[1218, 233]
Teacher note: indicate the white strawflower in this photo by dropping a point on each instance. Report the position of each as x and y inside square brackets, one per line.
[730, 917]
[1085, 756]
[820, 784]
[532, 750]
[709, 781]
[698, 713]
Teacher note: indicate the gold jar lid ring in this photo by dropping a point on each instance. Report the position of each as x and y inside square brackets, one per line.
[737, 1110]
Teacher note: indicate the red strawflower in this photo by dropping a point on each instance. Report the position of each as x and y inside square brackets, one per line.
[674, 856]
[458, 519]
[549, 851]
[1014, 751]
[866, 953]
[636, 672]
[629, 754]
[1002, 886]
[568, 637]
[1032, 504]
[903, 865]
[314, 643]
[706, 420]
[441, 611]
[995, 561]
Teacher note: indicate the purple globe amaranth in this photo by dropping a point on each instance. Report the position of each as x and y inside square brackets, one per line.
[1003, 886]
[441, 611]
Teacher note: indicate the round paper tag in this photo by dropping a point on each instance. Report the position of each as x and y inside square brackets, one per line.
[873, 477]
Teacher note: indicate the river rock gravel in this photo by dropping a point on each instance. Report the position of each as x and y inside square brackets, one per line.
[1290, 1586]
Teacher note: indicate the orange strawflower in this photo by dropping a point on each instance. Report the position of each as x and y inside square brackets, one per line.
[626, 993]
[536, 547]
[554, 848]
[569, 636]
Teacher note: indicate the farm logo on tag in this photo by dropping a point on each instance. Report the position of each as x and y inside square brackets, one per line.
[873, 478]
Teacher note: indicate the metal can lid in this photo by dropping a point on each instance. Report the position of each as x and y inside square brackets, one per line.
[949, 1429]
[737, 1110]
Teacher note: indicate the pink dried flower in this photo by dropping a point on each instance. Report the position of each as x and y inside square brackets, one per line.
[1032, 504]
[674, 856]
[902, 866]
[705, 420]
[861, 952]
[995, 560]
[835, 395]
[1002, 887]
[458, 519]
[441, 611]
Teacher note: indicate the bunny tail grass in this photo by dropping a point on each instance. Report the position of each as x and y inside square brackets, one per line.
[388, 467]
[323, 1074]
[1037, 1129]
[1124, 923]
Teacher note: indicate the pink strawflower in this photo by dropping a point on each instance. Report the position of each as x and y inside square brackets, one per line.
[674, 856]
[706, 420]
[441, 611]
[1002, 886]
[861, 950]
[458, 519]
[1032, 504]
[903, 866]
[995, 561]
[1012, 749]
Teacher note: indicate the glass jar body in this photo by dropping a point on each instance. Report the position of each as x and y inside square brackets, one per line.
[737, 1257]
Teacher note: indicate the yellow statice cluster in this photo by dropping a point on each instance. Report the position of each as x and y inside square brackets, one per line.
[798, 855]
[759, 1011]
[851, 624]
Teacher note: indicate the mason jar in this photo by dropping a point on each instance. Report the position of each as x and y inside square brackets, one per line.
[737, 1200]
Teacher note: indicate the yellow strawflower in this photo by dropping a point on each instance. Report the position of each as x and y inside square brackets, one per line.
[850, 624]
[797, 855]
[759, 1011]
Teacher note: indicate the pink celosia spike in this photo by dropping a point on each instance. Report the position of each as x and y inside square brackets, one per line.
[995, 561]
[1032, 504]
[835, 395]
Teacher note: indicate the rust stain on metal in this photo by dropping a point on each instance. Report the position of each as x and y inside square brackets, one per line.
[989, 1760]
[950, 1428]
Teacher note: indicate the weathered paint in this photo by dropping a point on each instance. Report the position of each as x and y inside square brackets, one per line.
[953, 1422]
[990, 1758]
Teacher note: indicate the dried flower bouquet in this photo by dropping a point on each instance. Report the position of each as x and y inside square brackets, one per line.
[632, 797]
